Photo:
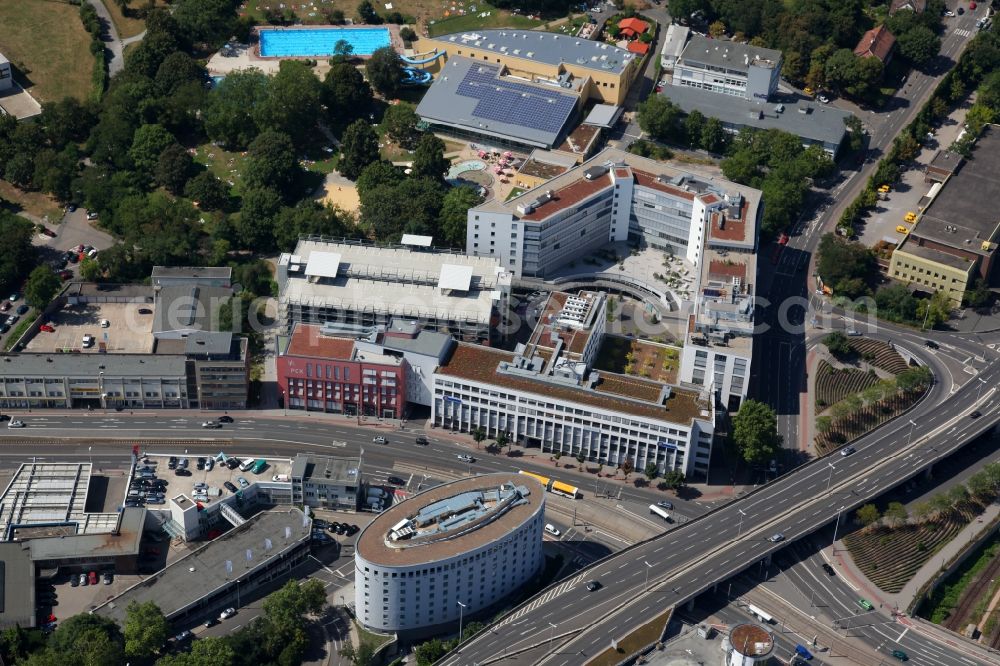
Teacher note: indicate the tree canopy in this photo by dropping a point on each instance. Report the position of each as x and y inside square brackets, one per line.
[358, 148]
[755, 432]
[146, 630]
[384, 69]
[43, 284]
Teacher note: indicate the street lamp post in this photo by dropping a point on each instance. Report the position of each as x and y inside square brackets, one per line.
[829, 479]
[739, 530]
[552, 632]
[980, 389]
[461, 610]
[648, 567]
[909, 438]
[836, 525]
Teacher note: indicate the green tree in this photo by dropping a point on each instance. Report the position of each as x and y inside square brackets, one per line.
[935, 310]
[90, 270]
[922, 511]
[308, 218]
[824, 424]
[292, 104]
[173, 168]
[255, 227]
[366, 12]
[958, 495]
[400, 124]
[694, 127]
[271, 162]
[86, 639]
[429, 160]
[840, 262]
[838, 344]
[941, 504]
[478, 436]
[430, 651]
[855, 133]
[228, 115]
[208, 21]
[713, 136]
[146, 630]
[358, 148]
[346, 94]
[659, 117]
[651, 471]
[411, 206]
[674, 479]
[177, 69]
[919, 45]
[896, 514]
[868, 515]
[361, 655]
[148, 144]
[755, 432]
[455, 214]
[208, 191]
[385, 71]
[343, 48]
[208, 651]
[42, 286]
[378, 174]
[980, 486]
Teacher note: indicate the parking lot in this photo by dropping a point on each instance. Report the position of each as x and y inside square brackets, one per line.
[906, 194]
[213, 480]
[127, 329]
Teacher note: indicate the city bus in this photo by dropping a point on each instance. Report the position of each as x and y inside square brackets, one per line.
[553, 486]
[657, 511]
[759, 614]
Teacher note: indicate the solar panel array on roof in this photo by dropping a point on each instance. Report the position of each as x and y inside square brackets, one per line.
[515, 103]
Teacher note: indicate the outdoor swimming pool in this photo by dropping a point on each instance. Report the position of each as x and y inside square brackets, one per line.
[316, 42]
[462, 167]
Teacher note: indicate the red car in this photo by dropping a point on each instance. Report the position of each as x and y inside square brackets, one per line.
[66, 275]
[5, 306]
[92, 578]
[972, 6]
[47, 328]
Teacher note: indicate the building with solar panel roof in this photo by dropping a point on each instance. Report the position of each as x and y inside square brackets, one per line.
[521, 89]
[448, 553]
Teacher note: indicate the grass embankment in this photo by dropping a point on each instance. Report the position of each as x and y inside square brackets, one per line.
[647, 634]
[130, 25]
[19, 330]
[48, 45]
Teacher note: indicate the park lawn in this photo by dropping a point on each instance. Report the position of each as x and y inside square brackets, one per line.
[473, 21]
[47, 44]
[127, 26]
[228, 166]
[38, 204]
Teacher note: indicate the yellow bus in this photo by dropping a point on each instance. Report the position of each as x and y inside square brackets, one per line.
[553, 486]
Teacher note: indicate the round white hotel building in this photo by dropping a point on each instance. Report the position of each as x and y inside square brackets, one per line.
[456, 548]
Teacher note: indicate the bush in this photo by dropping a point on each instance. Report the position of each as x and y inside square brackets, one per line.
[407, 34]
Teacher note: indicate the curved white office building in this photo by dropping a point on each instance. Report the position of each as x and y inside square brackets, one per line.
[456, 548]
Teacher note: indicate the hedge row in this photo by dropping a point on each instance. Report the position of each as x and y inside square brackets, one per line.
[92, 24]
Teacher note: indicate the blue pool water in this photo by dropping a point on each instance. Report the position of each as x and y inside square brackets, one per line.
[313, 42]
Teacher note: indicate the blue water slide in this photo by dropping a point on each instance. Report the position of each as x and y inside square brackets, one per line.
[410, 60]
[415, 77]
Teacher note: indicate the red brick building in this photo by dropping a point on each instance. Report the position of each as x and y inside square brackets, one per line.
[324, 373]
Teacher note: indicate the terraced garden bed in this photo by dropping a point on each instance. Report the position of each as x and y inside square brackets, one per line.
[835, 384]
[889, 557]
[879, 354]
[864, 420]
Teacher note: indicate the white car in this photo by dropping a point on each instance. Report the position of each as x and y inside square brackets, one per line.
[379, 439]
[16, 423]
[88, 341]
[949, 13]
[105, 323]
[822, 99]
[551, 529]
[228, 613]
[465, 457]
[211, 424]
[775, 538]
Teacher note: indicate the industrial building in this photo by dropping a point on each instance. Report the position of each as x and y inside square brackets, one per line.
[738, 85]
[352, 370]
[448, 553]
[351, 283]
[195, 587]
[953, 244]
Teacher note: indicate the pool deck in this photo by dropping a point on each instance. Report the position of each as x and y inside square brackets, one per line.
[394, 39]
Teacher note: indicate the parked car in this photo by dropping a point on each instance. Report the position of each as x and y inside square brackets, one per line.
[183, 462]
[228, 613]
[22, 309]
[83, 580]
[229, 486]
[172, 462]
[48, 328]
[242, 481]
[108, 578]
[209, 464]
[211, 622]
[5, 306]
[183, 636]
[92, 578]
[180, 471]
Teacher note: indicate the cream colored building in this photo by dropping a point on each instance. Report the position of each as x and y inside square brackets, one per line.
[595, 70]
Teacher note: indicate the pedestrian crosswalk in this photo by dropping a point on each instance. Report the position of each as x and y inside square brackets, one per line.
[962, 32]
[557, 591]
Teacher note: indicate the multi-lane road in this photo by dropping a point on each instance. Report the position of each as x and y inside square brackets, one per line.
[688, 560]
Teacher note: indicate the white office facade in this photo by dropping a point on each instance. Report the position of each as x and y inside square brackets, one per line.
[571, 428]
[728, 68]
